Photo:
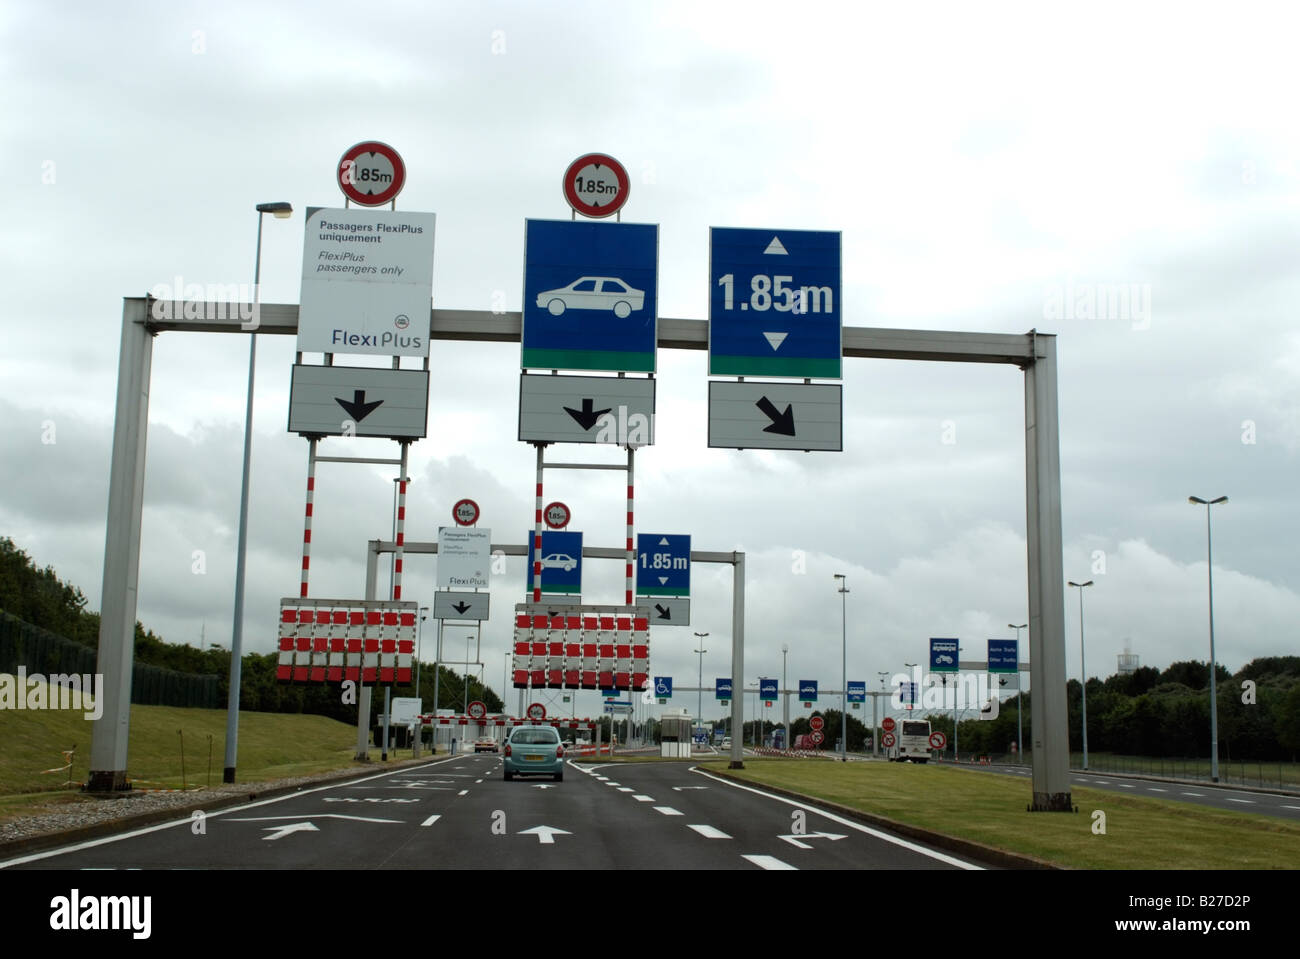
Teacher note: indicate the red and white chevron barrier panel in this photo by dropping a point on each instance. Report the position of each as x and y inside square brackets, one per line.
[581, 647]
[506, 721]
[332, 640]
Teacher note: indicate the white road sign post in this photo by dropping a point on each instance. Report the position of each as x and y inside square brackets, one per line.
[367, 282]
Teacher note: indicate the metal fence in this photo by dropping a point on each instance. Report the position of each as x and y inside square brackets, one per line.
[41, 651]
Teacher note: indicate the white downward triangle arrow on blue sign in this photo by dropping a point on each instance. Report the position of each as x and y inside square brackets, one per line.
[775, 340]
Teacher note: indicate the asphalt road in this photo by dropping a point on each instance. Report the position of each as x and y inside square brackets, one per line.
[1202, 794]
[459, 813]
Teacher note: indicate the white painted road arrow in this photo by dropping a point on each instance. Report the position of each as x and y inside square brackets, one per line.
[794, 838]
[542, 786]
[545, 834]
[279, 832]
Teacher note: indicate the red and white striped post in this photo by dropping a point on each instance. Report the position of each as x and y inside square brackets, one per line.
[400, 536]
[537, 530]
[631, 558]
[306, 529]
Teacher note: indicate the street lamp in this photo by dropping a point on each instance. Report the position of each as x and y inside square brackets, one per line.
[468, 639]
[1020, 740]
[280, 211]
[1209, 569]
[419, 635]
[699, 699]
[844, 669]
[912, 689]
[1083, 689]
[785, 697]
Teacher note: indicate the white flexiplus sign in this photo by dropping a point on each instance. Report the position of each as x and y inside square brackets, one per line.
[464, 557]
[367, 282]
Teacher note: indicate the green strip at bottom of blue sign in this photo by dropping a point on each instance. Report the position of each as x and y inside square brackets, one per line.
[589, 360]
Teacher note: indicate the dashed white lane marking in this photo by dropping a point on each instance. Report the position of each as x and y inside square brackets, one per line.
[667, 810]
[463, 792]
[626, 789]
[602, 779]
[644, 798]
[610, 782]
[1153, 789]
[1230, 799]
[768, 862]
[709, 832]
[1284, 806]
[1125, 785]
[431, 820]
[1197, 795]
[477, 781]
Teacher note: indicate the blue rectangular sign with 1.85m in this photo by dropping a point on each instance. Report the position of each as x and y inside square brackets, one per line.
[1003, 656]
[590, 295]
[774, 303]
[663, 565]
[561, 561]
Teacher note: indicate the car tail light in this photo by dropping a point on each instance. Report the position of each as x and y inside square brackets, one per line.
[507, 749]
[559, 751]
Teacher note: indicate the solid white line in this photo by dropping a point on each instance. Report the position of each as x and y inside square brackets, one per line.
[708, 832]
[644, 798]
[667, 810]
[145, 830]
[942, 857]
[431, 820]
[768, 862]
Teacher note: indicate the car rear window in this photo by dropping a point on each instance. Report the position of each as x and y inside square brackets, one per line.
[535, 737]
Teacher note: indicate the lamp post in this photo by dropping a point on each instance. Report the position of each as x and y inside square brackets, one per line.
[280, 211]
[844, 669]
[1209, 570]
[419, 636]
[468, 639]
[785, 696]
[1020, 740]
[1083, 689]
[912, 703]
[699, 699]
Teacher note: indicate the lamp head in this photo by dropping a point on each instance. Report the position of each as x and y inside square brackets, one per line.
[282, 211]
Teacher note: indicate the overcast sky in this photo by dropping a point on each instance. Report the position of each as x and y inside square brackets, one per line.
[990, 168]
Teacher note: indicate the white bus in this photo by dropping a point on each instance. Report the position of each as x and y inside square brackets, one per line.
[911, 741]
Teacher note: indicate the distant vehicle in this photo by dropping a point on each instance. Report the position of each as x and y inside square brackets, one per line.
[804, 742]
[726, 742]
[943, 658]
[593, 293]
[911, 742]
[559, 561]
[485, 745]
[533, 751]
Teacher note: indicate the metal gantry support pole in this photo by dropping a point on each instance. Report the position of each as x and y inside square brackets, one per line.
[108, 748]
[737, 662]
[1049, 712]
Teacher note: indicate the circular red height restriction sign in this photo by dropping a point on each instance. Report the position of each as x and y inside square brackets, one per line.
[817, 722]
[887, 740]
[556, 515]
[596, 185]
[371, 173]
[537, 711]
[938, 740]
[477, 710]
[465, 512]
[888, 724]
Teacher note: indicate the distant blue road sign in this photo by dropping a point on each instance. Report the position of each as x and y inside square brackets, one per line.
[1003, 656]
[561, 561]
[774, 303]
[590, 295]
[857, 692]
[808, 690]
[723, 689]
[663, 686]
[663, 565]
[767, 689]
[907, 693]
[943, 655]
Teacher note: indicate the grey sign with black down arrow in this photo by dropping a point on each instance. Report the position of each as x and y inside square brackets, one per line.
[355, 401]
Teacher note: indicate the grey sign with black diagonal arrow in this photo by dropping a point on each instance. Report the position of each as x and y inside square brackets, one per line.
[586, 409]
[667, 610]
[776, 416]
[355, 401]
[459, 604]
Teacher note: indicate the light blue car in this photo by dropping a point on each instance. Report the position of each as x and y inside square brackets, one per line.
[534, 751]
